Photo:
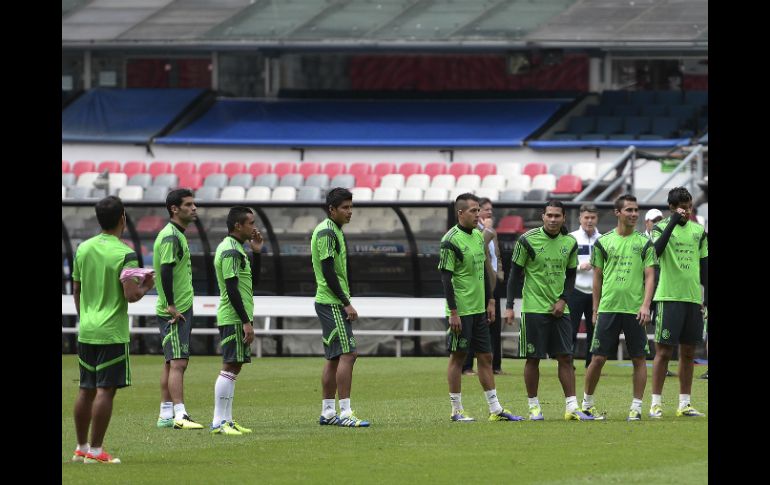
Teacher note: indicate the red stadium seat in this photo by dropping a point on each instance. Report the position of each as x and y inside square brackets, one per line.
[234, 168]
[409, 168]
[83, 166]
[484, 169]
[435, 168]
[371, 180]
[207, 168]
[384, 168]
[309, 168]
[134, 167]
[158, 167]
[111, 165]
[190, 180]
[65, 166]
[282, 168]
[182, 168]
[333, 169]
[568, 184]
[360, 168]
[459, 168]
[511, 225]
[151, 223]
[258, 168]
[533, 169]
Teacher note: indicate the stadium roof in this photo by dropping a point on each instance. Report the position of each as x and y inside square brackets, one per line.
[388, 24]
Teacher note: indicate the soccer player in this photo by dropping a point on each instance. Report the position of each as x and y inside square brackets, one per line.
[580, 301]
[468, 294]
[174, 309]
[543, 270]
[624, 280]
[235, 312]
[682, 250]
[101, 301]
[333, 307]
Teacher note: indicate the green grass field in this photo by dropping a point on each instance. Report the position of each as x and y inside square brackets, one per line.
[411, 439]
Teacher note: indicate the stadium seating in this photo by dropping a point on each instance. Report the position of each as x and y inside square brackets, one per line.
[459, 168]
[493, 182]
[408, 168]
[166, 180]
[584, 170]
[159, 167]
[568, 184]
[244, 180]
[184, 168]
[512, 195]
[110, 165]
[284, 193]
[533, 169]
[384, 168]
[192, 180]
[436, 194]
[259, 168]
[410, 193]
[156, 193]
[558, 169]
[444, 181]
[484, 169]
[258, 193]
[232, 192]
[68, 179]
[234, 168]
[520, 182]
[310, 193]
[267, 180]
[435, 168]
[207, 193]
[545, 181]
[282, 168]
[343, 180]
[207, 168]
[86, 179]
[358, 169]
[421, 180]
[83, 166]
[134, 167]
[65, 166]
[361, 193]
[392, 180]
[140, 179]
[295, 180]
[385, 193]
[470, 182]
[334, 168]
[320, 180]
[309, 168]
[488, 192]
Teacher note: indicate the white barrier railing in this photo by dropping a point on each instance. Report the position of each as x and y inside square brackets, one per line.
[270, 307]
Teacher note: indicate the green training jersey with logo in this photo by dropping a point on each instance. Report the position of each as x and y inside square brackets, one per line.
[171, 247]
[328, 241]
[622, 260]
[231, 261]
[463, 255]
[680, 262]
[545, 260]
[103, 307]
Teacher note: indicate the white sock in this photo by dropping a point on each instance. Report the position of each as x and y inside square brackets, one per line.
[684, 400]
[83, 448]
[229, 409]
[636, 405]
[457, 401]
[95, 451]
[494, 404]
[166, 410]
[657, 399]
[533, 401]
[345, 411]
[588, 400]
[571, 404]
[328, 408]
[222, 390]
[179, 411]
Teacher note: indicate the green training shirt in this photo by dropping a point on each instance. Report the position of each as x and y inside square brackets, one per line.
[329, 241]
[680, 262]
[545, 260]
[622, 260]
[463, 255]
[171, 247]
[103, 307]
[231, 260]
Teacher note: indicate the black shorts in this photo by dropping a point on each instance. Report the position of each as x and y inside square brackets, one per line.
[234, 351]
[104, 365]
[474, 335]
[175, 337]
[607, 335]
[336, 329]
[678, 322]
[542, 333]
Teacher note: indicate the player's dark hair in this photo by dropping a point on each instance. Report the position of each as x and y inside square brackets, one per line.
[109, 210]
[237, 215]
[619, 202]
[461, 202]
[336, 197]
[175, 198]
[678, 195]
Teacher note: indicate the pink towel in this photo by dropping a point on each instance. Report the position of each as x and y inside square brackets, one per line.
[140, 273]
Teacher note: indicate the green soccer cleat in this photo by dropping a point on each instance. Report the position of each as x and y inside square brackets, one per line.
[352, 422]
[634, 415]
[688, 410]
[186, 423]
[505, 415]
[226, 429]
[593, 412]
[577, 415]
[165, 422]
[535, 413]
[656, 411]
[242, 429]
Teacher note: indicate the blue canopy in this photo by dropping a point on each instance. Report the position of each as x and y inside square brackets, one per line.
[425, 123]
[665, 143]
[123, 115]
